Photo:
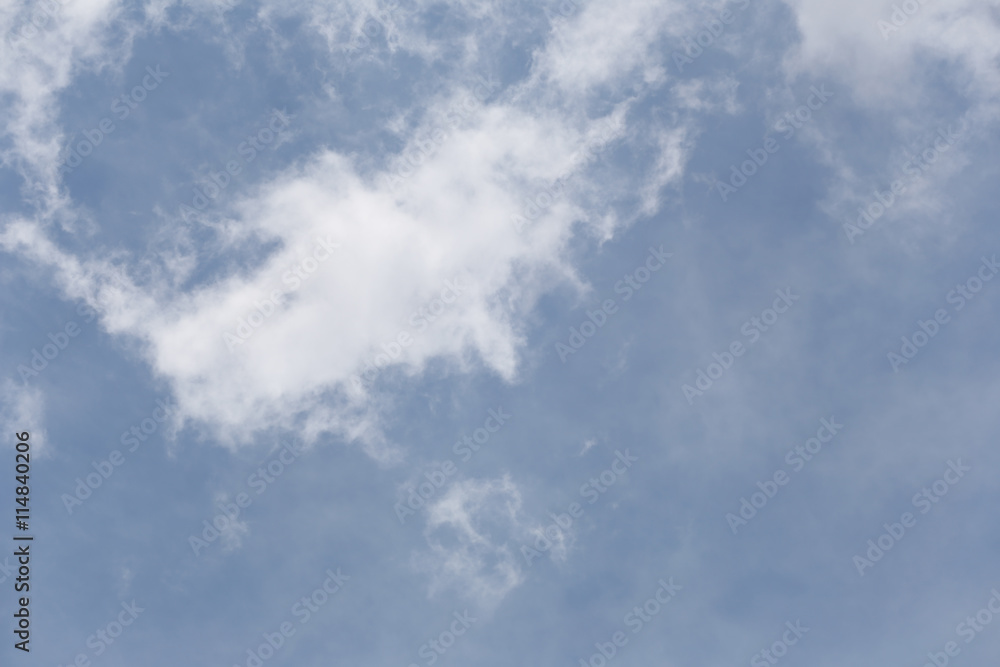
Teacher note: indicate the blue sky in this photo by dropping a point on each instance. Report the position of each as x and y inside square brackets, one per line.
[502, 333]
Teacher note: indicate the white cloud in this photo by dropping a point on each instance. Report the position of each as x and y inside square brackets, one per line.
[72, 36]
[673, 146]
[401, 242]
[844, 40]
[23, 409]
[235, 529]
[604, 43]
[468, 531]
[912, 74]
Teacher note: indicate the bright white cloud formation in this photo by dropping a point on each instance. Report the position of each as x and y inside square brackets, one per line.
[401, 241]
